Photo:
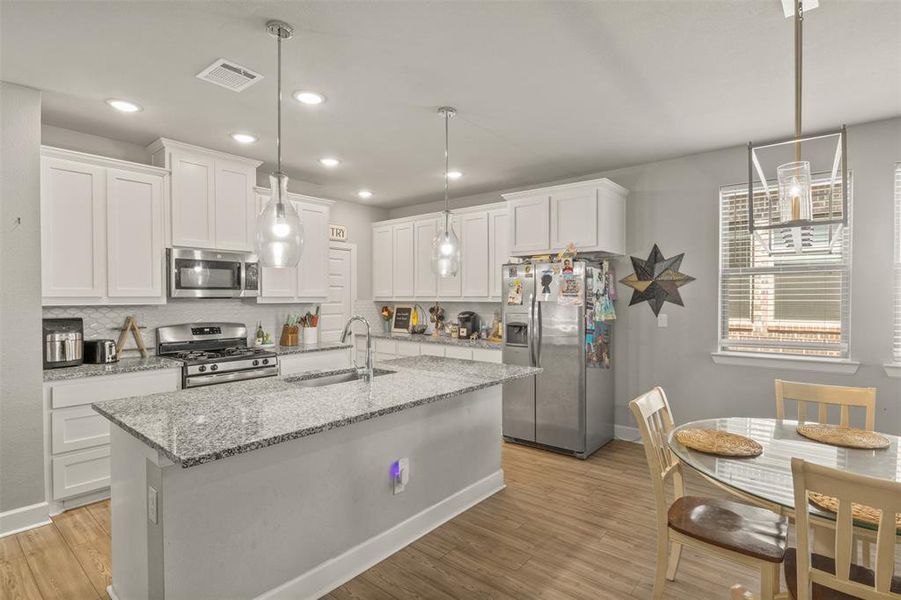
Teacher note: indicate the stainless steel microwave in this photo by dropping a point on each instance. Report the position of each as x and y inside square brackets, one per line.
[212, 274]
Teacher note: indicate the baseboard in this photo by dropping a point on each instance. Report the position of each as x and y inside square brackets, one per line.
[23, 519]
[626, 433]
[111, 592]
[337, 571]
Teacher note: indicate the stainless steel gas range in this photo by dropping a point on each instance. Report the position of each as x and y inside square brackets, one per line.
[214, 353]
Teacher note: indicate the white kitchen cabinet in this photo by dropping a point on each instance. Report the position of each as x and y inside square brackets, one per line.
[211, 197]
[589, 214]
[487, 355]
[77, 428]
[134, 234]
[382, 262]
[408, 348]
[458, 352]
[292, 364]
[425, 283]
[431, 349]
[498, 248]
[102, 234]
[81, 472]
[309, 280]
[529, 223]
[403, 260]
[475, 261]
[451, 287]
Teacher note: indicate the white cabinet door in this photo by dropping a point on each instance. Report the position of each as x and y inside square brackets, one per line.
[402, 260]
[73, 240]
[574, 218]
[611, 221]
[312, 274]
[487, 355]
[382, 262]
[193, 200]
[81, 472]
[498, 248]
[451, 287]
[77, 428]
[425, 283]
[431, 349]
[529, 224]
[234, 205]
[458, 352]
[474, 254]
[134, 233]
[291, 364]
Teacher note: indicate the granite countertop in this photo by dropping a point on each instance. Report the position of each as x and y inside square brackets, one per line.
[195, 426]
[125, 365]
[428, 338]
[320, 347]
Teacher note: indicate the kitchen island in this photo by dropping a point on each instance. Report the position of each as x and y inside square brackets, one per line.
[283, 487]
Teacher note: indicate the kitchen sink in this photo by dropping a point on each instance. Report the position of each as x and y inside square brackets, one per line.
[333, 378]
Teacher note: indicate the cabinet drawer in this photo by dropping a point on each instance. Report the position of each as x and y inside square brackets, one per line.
[77, 428]
[385, 346]
[432, 349]
[485, 355]
[456, 352]
[408, 348]
[112, 387]
[291, 364]
[81, 472]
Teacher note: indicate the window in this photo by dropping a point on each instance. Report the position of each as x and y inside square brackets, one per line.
[774, 299]
[896, 350]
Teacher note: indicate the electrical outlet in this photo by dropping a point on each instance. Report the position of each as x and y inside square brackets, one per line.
[662, 320]
[400, 474]
[152, 505]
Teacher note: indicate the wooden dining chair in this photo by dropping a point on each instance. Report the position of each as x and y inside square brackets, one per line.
[825, 396]
[816, 577]
[745, 534]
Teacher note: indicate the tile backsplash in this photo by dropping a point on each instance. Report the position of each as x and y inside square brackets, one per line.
[485, 310]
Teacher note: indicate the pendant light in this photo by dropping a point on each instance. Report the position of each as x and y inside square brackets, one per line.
[446, 245]
[279, 236]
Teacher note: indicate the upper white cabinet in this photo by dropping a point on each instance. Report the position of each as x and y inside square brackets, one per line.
[474, 263]
[101, 230]
[211, 203]
[498, 248]
[589, 214]
[449, 287]
[403, 259]
[309, 280]
[425, 282]
[382, 261]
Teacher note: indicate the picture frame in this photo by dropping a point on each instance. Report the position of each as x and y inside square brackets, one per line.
[402, 320]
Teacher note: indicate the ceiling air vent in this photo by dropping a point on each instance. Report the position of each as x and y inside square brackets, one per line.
[229, 75]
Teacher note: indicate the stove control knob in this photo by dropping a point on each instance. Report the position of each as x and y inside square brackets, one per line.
[214, 367]
[265, 361]
[256, 363]
[201, 368]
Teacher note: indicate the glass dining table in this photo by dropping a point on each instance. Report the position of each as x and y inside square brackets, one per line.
[768, 477]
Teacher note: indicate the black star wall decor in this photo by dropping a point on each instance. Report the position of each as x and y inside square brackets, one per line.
[657, 280]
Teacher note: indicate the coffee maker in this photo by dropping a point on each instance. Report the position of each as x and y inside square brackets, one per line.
[469, 323]
[63, 343]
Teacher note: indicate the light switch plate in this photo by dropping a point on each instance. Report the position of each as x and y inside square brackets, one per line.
[400, 474]
[662, 320]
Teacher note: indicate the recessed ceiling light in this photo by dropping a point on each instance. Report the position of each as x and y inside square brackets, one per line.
[308, 97]
[364, 194]
[244, 138]
[454, 174]
[329, 162]
[124, 105]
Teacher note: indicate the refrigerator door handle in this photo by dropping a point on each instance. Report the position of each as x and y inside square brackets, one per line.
[531, 336]
[539, 339]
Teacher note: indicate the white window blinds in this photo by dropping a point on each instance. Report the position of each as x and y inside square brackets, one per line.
[774, 299]
[897, 339]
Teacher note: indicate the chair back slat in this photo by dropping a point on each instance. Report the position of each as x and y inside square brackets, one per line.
[825, 396]
[655, 422]
[847, 488]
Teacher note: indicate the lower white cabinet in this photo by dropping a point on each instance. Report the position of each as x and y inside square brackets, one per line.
[77, 446]
[292, 364]
[387, 348]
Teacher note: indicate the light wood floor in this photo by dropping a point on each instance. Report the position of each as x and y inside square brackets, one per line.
[563, 528]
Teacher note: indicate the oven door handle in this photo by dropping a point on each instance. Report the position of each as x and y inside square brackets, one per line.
[198, 380]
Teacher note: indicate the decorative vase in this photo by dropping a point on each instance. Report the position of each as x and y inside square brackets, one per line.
[386, 326]
[310, 336]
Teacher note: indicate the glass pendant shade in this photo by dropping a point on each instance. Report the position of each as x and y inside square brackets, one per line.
[279, 239]
[795, 202]
[446, 251]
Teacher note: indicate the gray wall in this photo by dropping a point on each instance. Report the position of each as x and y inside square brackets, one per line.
[21, 413]
[357, 217]
[674, 203]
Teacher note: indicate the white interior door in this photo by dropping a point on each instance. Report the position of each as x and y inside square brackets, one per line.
[339, 307]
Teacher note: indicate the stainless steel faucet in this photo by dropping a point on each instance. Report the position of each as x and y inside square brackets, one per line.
[368, 373]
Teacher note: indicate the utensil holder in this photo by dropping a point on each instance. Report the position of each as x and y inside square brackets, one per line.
[310, 336]
[290, 335]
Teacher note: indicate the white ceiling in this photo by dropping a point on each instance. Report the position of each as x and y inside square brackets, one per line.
[544, 90]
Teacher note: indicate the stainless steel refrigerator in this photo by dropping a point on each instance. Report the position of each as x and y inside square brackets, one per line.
[548, 310]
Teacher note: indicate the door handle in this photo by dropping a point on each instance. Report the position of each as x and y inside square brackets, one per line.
[540, 336]
[533, 359]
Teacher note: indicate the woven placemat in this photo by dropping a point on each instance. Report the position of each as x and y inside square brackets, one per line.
[721, 443]
[845, 437]
[859, 512]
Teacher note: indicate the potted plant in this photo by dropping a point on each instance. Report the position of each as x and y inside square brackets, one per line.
[387, 315]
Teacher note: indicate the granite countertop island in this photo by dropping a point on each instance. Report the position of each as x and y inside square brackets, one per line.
[124, 365]
[195, 426]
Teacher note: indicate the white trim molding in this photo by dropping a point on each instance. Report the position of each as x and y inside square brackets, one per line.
[344, 567]
[892, 369]
[24, 518]
[841, 366]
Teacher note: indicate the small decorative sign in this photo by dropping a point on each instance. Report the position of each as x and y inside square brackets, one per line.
[337, 233]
